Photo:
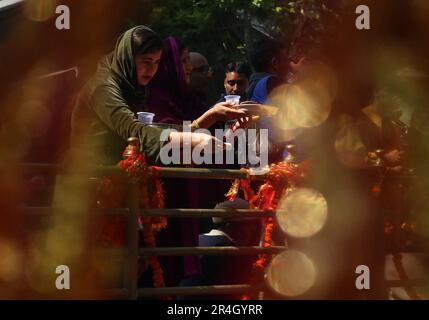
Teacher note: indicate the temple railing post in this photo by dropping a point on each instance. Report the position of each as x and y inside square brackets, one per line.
[132, 240]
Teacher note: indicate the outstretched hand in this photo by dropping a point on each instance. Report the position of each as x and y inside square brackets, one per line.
[225, 111]
[200, 139]
[245, 123]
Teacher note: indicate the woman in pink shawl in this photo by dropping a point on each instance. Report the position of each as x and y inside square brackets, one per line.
[169, 96]
[172, 102]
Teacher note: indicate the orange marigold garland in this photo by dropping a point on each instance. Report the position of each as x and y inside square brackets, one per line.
[135, 167]
[280, 178]
[112, 195]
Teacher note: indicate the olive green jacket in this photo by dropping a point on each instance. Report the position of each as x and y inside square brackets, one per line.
[104, 113]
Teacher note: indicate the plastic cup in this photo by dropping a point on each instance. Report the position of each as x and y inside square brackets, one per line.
[233, 99]
[145, 117]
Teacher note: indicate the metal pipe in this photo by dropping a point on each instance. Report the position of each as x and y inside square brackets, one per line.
[204, 173]
[174, 213]
[407, 283]
[163, 172]
[181, 251]
[207, 213]
[43, 211]
[132, 238]
[195, 290]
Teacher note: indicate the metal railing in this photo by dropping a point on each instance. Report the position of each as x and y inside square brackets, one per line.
[132, 211]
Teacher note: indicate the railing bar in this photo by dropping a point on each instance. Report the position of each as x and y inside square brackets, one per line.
[202, 173]
[414, 249]
[407, 283]
[132, 236]
[195, 290]
[84, 170]
[166, 172]
[177, 213]
[179, 251]
[204, 213]
[114, 293]
[167, 251]
[47, 210]
[163, 172]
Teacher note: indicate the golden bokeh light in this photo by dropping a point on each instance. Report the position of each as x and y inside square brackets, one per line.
[10, 262]
[307, 102]
[291, 273]
[306, 213]
[40, 10]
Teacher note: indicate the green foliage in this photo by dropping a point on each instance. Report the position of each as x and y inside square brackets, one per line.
[222, 30]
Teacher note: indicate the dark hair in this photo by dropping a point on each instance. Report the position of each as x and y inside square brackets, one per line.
[263, 52]
[238, 203]
[144, 40]
[239, 67]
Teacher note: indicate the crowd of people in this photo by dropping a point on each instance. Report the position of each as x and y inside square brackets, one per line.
[147, 73]
[350, 106]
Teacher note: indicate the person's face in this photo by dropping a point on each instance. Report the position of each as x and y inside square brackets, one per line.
[147, 65]
[200, 77]
[235, 83]
[187, 66]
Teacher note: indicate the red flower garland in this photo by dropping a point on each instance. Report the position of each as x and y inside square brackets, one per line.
[135, 167]
[279, 179]
[111, 194]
